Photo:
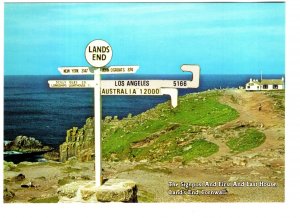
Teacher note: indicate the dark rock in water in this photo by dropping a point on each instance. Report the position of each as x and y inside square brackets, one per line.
[7, 195]
[19, 177]
[26, 144]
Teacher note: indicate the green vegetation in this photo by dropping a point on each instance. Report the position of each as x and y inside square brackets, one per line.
[162, 133]
[197, 148]
[200, 148]
[247, 140]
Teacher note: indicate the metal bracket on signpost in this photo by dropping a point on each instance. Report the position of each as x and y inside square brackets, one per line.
[98, 54]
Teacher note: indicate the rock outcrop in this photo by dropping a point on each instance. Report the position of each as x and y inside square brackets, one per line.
[79, 143]
[113, 190]
[26, 144]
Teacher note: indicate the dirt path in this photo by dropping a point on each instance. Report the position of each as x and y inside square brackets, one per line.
[247, 104]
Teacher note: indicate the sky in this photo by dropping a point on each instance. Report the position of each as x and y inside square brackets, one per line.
[223, 38]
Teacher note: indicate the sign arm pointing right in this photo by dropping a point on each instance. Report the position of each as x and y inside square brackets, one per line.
[195, 70]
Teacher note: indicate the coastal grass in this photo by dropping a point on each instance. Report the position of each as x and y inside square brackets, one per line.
[161, 129]
[247, 140]
[195, 149]
[200, 148]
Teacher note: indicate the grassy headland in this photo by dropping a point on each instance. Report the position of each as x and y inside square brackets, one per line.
[163, 133]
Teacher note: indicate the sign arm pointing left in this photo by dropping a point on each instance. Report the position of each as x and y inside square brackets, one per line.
[102, 70]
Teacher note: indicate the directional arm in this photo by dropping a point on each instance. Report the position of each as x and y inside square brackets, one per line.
[103, 70]
[181, 84]
[173, 94]
[195, 70]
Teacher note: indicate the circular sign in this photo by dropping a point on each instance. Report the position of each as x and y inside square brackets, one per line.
[98, 53]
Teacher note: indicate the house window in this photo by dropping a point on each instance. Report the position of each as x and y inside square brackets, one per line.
[248, 87]
[275, 86]
[257, 87]
[265, 86]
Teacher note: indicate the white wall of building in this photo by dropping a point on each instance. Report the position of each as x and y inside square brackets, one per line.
[253, 87]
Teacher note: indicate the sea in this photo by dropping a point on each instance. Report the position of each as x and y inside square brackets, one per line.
[31, 108]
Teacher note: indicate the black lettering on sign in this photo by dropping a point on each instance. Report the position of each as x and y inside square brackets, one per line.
[179, 83]
[117, 69]
[99, 49]
[105, 69]
[138, 83]
[151, 91]
[119, 83]
[97, 57]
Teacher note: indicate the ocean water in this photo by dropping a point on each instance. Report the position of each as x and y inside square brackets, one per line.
[31, 108]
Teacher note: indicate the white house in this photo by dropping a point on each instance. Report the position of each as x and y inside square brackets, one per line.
[265, 84]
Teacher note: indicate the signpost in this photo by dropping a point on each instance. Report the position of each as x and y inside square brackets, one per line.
[98, 53]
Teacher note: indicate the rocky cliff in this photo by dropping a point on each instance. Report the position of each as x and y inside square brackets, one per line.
[79, 143]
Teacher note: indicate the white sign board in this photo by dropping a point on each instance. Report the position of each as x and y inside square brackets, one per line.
[71, 83]
[102, 70]
[98, 53]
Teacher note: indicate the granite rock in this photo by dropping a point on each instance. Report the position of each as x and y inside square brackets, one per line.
[113, 190]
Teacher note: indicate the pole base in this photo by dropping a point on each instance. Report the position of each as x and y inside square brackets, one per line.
[113, 190]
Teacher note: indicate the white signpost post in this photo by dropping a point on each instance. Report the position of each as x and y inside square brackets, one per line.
[98, 53]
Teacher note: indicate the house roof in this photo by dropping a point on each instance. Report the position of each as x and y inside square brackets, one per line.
[252, 83]
[271, 82]
[266, 82]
